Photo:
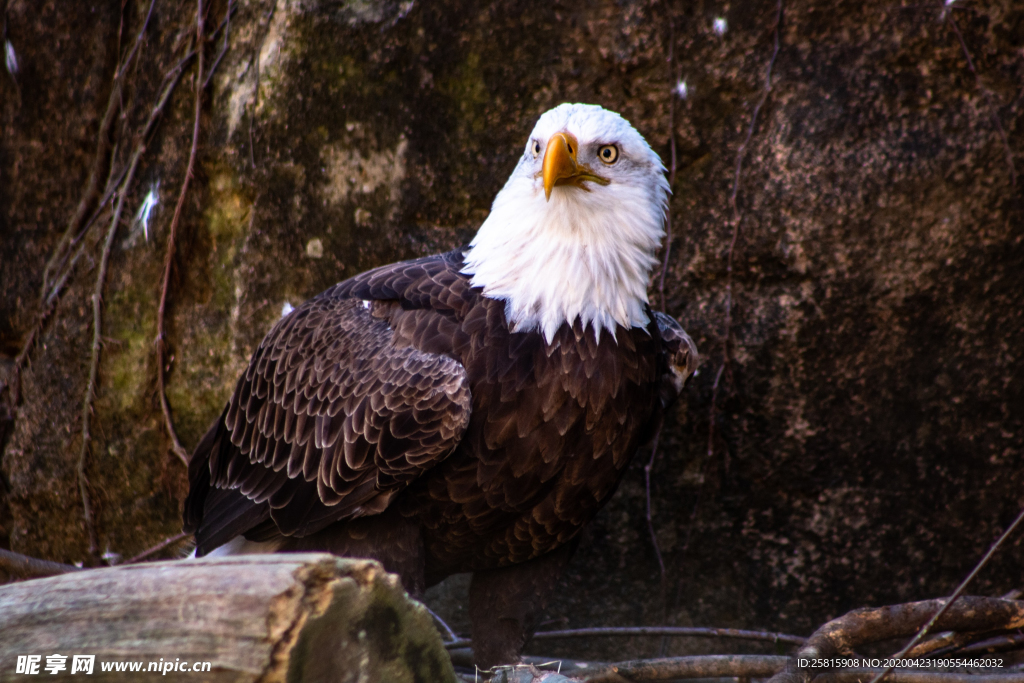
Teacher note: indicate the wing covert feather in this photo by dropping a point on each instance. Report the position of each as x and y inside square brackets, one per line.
[332, 417]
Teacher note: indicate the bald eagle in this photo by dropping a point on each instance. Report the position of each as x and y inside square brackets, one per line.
[469, 411]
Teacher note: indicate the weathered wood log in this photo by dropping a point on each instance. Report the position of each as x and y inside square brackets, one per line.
[300, 617]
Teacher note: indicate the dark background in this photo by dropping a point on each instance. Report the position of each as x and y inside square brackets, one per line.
[868, 428]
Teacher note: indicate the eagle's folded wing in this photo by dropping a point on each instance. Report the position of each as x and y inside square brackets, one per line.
[331, 420]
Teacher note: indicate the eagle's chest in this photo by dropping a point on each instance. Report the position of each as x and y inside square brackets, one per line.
[553, 427]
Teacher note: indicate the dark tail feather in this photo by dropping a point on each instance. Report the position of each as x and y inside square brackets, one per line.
[214, 515]
[199, 476]
[228, 514]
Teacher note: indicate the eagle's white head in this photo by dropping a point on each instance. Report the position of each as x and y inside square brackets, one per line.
[574, 231]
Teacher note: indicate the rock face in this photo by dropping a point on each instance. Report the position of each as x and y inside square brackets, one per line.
[860, 441]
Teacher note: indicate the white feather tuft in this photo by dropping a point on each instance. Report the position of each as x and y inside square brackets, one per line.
[240, 546]
[146, 209]
[10, 58]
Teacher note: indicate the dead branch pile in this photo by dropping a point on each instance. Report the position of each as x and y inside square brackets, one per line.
[971, 628]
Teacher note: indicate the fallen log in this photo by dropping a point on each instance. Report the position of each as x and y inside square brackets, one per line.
[259, 618]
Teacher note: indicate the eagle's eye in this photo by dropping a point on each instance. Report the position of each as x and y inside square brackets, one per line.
[609, 154]
[536, 147]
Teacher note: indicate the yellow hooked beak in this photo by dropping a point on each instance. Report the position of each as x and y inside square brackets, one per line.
[560, 166]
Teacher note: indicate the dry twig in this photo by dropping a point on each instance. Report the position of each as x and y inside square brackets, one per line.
[917, 676]
[724, 368]
[166, 543]
[706, 666]
[224, 48]
[860, 627]
[987, 94]
[949, 641]
[97, 340]
[87, 202]
[176, 446]
[674, 631]
[672, 156]
[640, 671]
[25, 567]
[100, 162]
[269, 16]
[650, 520]
[1011, 641]
[171, 81]
[956, 594]
[657, 631]
[649, 467]
[737, 220]
[446, 630]
[59, 268]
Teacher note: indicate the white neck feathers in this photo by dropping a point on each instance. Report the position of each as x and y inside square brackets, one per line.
[583, 254]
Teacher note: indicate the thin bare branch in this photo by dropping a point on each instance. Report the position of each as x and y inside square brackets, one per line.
[25, 567]
[269, 16]
[655, 631]
[673, 631]
[1011, 641]
[672, 155]
[648, 468]
[170, 81]
[917, 676]
[956, 594]
[860, 627]
[138, 41]
[166, 543]
[987, 94]
[724, 369]
[226, 24]
[101, 159]
[705, 666]
[49, 302]
[695, 510]
[94, 362]
[941, 642]
[447, 631]
[90, 390]
[165, 408]
[733, 196]
[949, 641]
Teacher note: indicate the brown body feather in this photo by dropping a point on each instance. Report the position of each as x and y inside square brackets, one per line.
[396, 416]
[399, 416]
[403, 389]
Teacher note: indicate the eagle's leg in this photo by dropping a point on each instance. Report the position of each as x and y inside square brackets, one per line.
[505, 605]
[395, 542]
